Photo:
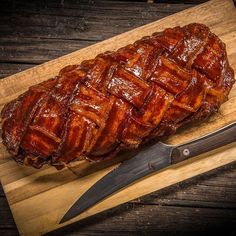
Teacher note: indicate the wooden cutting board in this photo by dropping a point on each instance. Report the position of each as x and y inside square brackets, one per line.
[39, 198]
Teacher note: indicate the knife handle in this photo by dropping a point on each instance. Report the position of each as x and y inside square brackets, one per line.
[206, 143]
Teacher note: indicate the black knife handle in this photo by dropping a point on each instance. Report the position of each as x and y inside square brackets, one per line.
[204, 144]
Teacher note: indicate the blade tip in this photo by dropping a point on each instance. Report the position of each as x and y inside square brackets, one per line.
[63, 220]
[70, 215]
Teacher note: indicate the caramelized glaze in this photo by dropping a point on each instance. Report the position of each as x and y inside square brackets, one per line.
[119, 99]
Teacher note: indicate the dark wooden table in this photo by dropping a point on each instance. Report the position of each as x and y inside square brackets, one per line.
[32, 32]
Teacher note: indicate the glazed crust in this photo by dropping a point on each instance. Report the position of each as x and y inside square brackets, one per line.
[119, 99]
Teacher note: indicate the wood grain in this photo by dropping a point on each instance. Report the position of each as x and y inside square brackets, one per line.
[38, 199]
[39, 32]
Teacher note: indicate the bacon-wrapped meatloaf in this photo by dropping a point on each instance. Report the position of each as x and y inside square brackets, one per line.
[119, 99]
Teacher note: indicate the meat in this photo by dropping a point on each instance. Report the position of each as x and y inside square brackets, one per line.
[119, 99]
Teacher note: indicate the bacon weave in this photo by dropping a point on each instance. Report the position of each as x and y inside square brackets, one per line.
[119, 99]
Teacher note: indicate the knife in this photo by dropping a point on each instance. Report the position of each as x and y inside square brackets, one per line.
[146, 162]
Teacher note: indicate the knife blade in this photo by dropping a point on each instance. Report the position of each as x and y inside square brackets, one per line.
[146, 162]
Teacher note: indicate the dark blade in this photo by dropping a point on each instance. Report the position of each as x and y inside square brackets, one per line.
[142, 164]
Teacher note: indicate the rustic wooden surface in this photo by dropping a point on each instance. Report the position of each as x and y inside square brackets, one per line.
[36, 32]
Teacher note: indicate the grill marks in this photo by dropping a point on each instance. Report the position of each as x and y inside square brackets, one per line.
[117, 100]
